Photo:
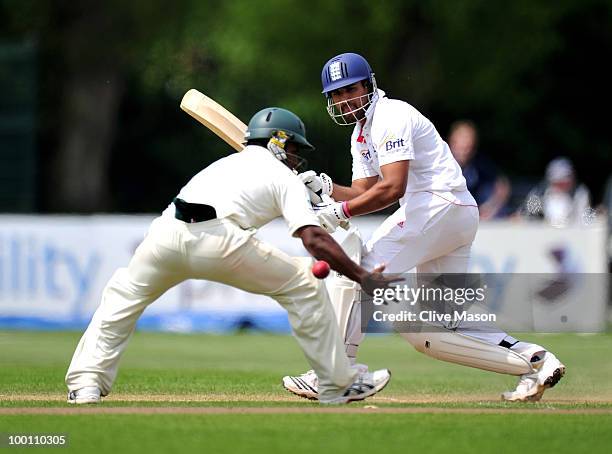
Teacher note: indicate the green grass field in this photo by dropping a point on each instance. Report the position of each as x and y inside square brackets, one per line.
[220, 394]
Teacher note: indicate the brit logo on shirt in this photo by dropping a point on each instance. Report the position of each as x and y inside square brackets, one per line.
[393, 143]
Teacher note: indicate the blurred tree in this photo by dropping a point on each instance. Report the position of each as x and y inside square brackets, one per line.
[17, 127]
[112, 74]
[89, 49]
[255, 54]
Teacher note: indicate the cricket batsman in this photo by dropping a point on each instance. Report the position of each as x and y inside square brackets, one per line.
[398, 156]
[207, 232]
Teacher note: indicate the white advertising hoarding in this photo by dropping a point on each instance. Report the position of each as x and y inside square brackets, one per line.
[53, 270]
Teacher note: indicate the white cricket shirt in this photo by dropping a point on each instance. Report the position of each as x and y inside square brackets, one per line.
[252, 188]
[396, 131]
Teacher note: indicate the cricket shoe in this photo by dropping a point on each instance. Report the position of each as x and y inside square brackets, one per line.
[87, 395]
[307, 384]
[366, 385]
[531, 387]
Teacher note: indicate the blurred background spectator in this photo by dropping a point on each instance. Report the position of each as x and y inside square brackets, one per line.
[559, 198]
[490, 188]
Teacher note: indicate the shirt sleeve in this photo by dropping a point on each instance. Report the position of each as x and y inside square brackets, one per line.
[294, 203]
[392, 136]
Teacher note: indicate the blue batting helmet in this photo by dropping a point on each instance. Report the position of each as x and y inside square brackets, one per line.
[345, 69]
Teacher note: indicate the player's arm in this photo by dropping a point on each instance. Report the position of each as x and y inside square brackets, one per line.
[391, 136]
[364, 177]
[357, 188]
[384, 192]
[322, 246]
[292, 199]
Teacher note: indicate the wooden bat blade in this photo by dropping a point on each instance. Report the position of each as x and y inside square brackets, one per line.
[215, 117]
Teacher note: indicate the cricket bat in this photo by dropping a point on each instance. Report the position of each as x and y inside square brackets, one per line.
[215, 117]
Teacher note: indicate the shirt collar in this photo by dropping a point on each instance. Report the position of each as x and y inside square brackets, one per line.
[370, 112]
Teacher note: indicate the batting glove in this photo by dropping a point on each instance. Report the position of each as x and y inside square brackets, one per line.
[318, 185]
[332, 215]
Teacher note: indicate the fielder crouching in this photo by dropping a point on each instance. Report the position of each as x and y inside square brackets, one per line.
[207, 233]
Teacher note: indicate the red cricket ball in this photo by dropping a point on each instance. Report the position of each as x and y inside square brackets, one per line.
[320, 269]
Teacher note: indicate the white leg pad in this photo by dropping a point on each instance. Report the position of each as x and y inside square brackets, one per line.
[467, 351]
[343, 294]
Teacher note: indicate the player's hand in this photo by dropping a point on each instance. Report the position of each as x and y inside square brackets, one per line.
[331, 215]
[376, 279]
[317, 185]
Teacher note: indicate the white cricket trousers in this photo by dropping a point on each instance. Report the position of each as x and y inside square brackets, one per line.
[430, 233]
[216, 250]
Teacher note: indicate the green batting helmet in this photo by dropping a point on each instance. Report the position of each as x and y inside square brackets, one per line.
[265, 123]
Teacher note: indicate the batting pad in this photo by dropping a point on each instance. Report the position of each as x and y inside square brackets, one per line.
[343, 291]
[468, 351]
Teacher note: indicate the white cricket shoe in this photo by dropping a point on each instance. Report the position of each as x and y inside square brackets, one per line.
[307, 384]
[86, 395]
[531, 387]
[366, 385]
